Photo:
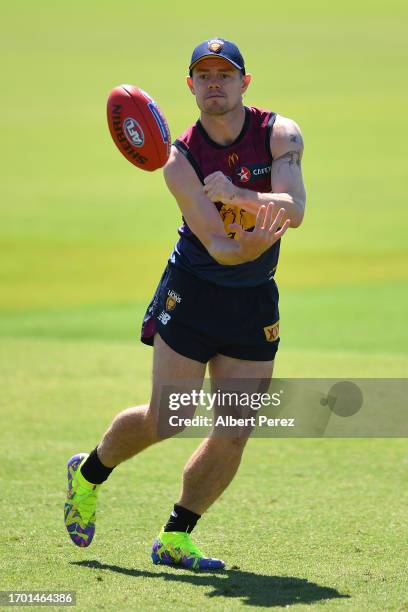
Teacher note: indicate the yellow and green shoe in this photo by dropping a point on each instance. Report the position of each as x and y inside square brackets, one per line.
[79, 510]
[176, 548]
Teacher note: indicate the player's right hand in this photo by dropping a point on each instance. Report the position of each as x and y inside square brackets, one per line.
[266, 232]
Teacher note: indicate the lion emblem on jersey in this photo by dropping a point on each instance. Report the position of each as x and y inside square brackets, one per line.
[233, 214]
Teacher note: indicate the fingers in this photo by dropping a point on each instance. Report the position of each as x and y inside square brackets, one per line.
[219, 188]
[265, 219]
[277, 221]
[211, 176]
[267, 224]
[282, 230]
[268, 216]
[260, 218]
[210, 183]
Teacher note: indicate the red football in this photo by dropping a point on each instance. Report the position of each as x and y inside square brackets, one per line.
[138, 127]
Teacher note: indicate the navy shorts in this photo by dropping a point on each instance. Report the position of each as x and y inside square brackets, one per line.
[199, 319]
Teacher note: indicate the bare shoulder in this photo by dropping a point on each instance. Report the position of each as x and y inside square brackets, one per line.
[286, 136]
[179, 175]
[174, 165]
[177, 166]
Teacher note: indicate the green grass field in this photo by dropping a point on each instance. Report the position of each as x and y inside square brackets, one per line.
[316, 524]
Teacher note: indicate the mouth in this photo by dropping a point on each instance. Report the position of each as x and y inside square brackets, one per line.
[215, 96]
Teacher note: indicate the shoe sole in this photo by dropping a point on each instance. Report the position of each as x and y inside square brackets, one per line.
[160, 561]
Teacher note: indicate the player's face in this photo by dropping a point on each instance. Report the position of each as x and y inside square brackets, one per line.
[217, 85]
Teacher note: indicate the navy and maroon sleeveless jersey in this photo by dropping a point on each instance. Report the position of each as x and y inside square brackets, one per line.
[247, 162]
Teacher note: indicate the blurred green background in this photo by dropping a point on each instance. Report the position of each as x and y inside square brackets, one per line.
[84, 235]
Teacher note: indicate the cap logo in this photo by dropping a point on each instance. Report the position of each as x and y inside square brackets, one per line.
[215, 46]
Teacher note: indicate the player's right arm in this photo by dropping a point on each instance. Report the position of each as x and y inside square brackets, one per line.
[205, 222]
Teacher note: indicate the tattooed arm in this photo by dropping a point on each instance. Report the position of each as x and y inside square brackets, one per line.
[287, 189]
[286, 176]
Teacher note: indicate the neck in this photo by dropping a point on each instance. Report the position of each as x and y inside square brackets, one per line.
[224, 129]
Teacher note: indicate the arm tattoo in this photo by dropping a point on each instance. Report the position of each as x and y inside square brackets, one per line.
[291, 158]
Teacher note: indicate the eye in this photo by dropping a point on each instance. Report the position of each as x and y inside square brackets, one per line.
[225, 75]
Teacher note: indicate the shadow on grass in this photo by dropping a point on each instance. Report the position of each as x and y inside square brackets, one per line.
[253, 589]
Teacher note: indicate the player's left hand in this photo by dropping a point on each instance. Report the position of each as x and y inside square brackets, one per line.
[219, 188]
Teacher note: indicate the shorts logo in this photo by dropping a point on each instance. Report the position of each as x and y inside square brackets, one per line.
[272, 331]
[215, 45]
[232, 159]
[133, 132]
[164, 317]
[244, 174]
[173, 299]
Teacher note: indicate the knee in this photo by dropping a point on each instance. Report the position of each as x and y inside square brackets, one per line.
[165, 423]
[134, 423]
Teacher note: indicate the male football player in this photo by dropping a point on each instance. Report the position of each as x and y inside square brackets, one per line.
[236, 176]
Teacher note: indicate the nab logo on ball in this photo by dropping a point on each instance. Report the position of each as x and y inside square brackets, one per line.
[133, 132]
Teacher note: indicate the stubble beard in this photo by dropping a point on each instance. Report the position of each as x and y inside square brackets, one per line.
[218, 109]
[214, 109]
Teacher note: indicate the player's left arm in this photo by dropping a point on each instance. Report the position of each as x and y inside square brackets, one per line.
[287, 186]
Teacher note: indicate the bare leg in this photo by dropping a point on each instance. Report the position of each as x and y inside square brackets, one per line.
[214, 464]
[135, 429]
[209, 471]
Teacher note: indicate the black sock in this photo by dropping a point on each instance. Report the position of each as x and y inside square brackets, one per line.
[182, 519]
[93, 470]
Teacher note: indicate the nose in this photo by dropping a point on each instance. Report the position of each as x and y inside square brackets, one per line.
[214, 81]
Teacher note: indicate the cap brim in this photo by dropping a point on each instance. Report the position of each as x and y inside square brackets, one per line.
[214, 55]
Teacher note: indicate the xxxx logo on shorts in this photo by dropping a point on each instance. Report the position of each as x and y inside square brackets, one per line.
[272, 331]
[172, 300]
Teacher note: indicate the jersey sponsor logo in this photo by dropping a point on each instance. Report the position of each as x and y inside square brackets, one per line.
[133, 132]
[215, 45]
[261, 170]
[172, 300]
[232, 159]
[246, 173]
[164, 317]
[272, 331]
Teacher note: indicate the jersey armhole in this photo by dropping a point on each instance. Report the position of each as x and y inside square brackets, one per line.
[184, 150]
[269, 128]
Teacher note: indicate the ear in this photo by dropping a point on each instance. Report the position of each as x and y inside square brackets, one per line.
[190, 84]
[246, 79]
